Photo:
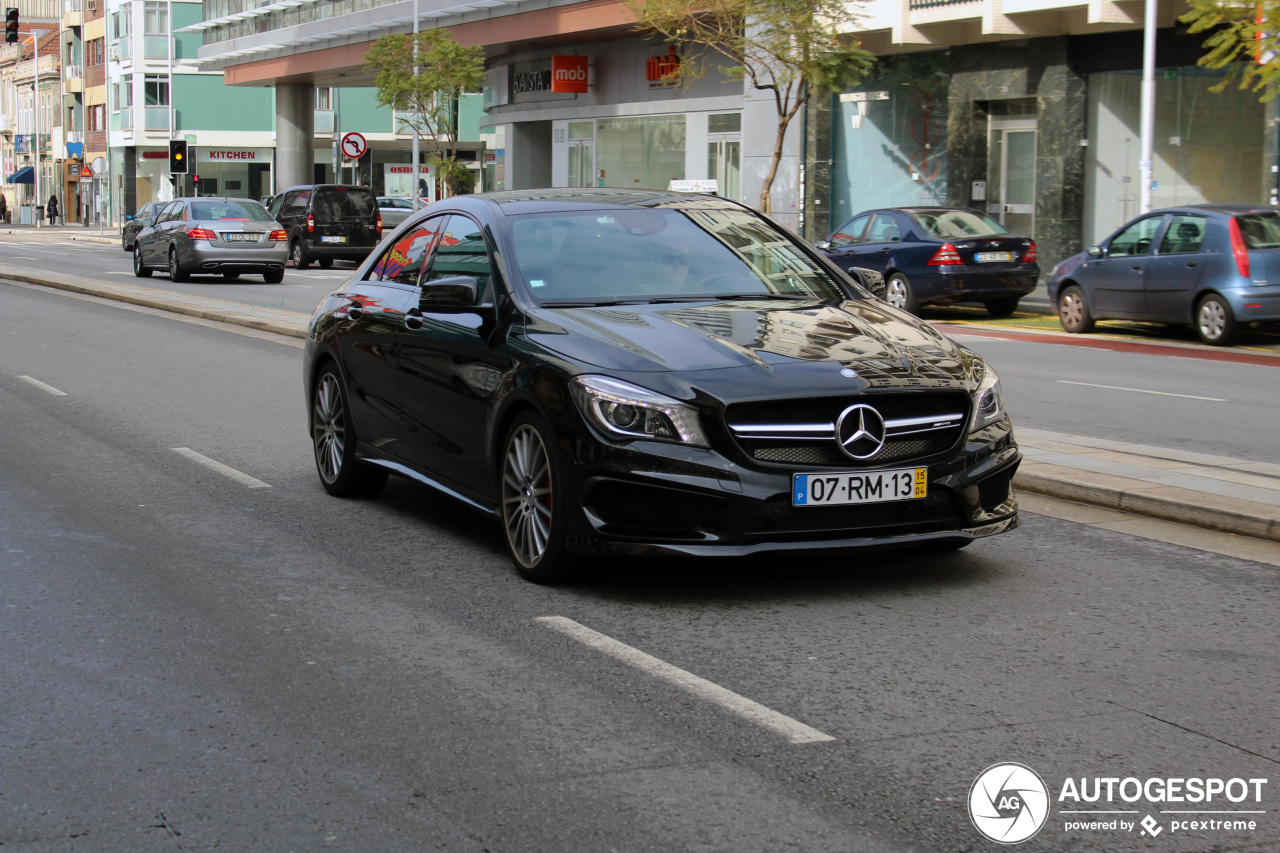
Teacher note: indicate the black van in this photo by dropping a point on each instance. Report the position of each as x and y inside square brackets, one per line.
[327, 222]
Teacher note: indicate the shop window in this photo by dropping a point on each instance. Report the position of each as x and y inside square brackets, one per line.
[724, 123]
[582, 129]
[641, 152]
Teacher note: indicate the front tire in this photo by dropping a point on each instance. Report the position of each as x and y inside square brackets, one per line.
[534, 502]
[1216, 322]
[176, 273]
[138, 268]
[897, 292]
[298, 255]
[333, 439]
[1001, 307]
[1073, 311]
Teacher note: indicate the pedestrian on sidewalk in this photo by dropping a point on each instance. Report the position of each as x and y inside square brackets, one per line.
[4, 209]
[52, 210]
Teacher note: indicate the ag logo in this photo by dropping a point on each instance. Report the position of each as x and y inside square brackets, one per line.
[1008, 803]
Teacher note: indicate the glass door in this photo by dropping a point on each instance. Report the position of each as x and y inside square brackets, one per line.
[1012, 174]
[724, 164]
[582, 154]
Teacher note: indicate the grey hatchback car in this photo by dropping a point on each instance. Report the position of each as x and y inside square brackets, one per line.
[215, 236]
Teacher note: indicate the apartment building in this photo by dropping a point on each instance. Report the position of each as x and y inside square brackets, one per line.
[31, 141]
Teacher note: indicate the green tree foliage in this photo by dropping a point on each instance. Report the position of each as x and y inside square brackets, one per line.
[1244, 38]
[445, 71]
[790, 48]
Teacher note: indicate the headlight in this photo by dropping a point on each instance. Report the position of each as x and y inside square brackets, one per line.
[988, 400]
[629, 411]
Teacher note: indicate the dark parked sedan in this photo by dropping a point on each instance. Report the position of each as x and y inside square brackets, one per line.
[133, 224]
[1212, 266]
[938, 255]
[612, 371]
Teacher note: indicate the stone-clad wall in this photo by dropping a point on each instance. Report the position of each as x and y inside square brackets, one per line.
[1031, 68]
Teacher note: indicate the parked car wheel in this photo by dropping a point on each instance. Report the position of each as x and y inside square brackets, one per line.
[1001, 307]
[273, 276]
[176, 273]
[897, 292]
[124, 244]
[333, 437]
[1073, 311]
[533, 523]
[1215, 322]
[298, 255]
[138, 269]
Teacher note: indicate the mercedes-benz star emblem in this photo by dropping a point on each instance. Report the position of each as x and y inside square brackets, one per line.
[860, 431]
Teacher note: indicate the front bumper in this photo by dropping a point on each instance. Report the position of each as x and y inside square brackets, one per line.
[650, 498]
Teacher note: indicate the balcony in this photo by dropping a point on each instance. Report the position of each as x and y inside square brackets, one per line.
[155, 47]
[157, 118]
[6, 124]
[324, 122]
[72, 72]
[122, 119]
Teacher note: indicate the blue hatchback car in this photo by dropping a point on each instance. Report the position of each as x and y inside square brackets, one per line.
[938, 255]
[1212, 266]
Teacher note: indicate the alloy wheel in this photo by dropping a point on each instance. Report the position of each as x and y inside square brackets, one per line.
[1072, 310]
[526, 496]
[1213, 320]
[328, 431]
[896, 293]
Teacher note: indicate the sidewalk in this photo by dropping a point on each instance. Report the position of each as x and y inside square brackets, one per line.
[74, 231]
[1235, 496]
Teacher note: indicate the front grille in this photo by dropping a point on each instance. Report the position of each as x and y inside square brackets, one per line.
[805, 428]
[777, 515]
[646, 508]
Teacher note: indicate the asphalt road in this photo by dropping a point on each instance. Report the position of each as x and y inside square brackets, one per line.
[194, 661]
[300, 291]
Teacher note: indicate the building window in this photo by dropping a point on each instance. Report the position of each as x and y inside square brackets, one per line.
[122, 22]
[94, 52]
[156, 19]
[156, 90]
[324, 98]
[641, 152]
[123, 92]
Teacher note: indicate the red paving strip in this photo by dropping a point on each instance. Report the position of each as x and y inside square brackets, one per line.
[1227, 355]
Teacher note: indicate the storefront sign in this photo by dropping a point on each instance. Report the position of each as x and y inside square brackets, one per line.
[225, 155]
[531, 81]
[398, 179]
[694, 186]
[569, 74]
[663, 71]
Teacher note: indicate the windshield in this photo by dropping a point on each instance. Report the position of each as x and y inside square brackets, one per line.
[241, 211]
[957, 224]
[650, 255]
[1260, 230]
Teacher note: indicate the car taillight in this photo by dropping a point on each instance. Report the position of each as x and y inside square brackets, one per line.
[1030, 256]
[279, 235]
[201, 234]
[947, 256]
[379, 223]
[311, 223]
[1238, 248]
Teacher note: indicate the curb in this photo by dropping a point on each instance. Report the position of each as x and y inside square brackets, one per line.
[1184, 506]
[233, 314]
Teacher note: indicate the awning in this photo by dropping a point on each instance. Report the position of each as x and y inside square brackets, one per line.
[25, 175]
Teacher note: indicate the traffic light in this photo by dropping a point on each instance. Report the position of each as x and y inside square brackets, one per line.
[10, 25]
[177, 156]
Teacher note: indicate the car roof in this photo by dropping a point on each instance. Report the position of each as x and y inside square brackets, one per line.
[589, 198]
[1230, 208]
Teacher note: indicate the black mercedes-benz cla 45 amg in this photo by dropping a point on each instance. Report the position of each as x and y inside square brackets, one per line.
[647, 373]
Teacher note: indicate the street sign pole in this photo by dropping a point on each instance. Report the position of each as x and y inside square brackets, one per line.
[1146, 165]
[416, 115]
[36, 35]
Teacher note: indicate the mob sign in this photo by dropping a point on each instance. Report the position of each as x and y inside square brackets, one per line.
[569, 74]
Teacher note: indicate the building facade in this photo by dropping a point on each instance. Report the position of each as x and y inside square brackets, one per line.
[31, 129]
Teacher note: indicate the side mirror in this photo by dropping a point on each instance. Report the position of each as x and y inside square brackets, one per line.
[455, 292]
[1095, 251]
[824, 245]
[128, 217]
[870, 279]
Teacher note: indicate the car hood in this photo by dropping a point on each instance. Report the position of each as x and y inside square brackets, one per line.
[883, 346]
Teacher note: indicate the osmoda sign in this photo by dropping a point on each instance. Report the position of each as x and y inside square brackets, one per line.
[569, 74]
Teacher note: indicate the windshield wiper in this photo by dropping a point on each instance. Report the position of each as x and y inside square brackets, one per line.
[589, 303]
[728, 296]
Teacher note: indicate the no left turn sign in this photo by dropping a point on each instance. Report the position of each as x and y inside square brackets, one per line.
[354, 145]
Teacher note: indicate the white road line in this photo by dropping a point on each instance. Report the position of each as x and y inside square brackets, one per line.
[224, 470]
[36, 382]
[1141, 391]
[795, 732]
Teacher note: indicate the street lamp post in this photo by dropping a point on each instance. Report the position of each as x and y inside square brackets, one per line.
[36, 35]
[416, 115]
[1146, 165]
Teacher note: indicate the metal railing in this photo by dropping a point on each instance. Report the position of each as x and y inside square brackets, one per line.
[934, 4]
[71, 72]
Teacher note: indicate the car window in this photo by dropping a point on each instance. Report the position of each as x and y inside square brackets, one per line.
[402, 261]
[1260, 230]
[850, 234]
[655, 253]
[237, 211]
[1136, 239]
[167, 213]
[884, 229]
[957, 224]
[461, 250]
[1184, 235]
[338, 204]
[295, 203]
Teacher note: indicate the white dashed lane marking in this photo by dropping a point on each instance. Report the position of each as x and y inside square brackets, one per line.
[43, 387]
[225, 470]
[792, 730]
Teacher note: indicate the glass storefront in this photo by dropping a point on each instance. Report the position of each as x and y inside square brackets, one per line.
[640, 152]
[889, 138]
[1208, 145]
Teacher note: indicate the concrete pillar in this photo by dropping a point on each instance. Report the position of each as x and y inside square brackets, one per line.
[295, 135]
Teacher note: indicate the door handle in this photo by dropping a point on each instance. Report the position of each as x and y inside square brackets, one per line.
[886, 250]
[1138, 267]
[1191, 263]
[413, 320]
